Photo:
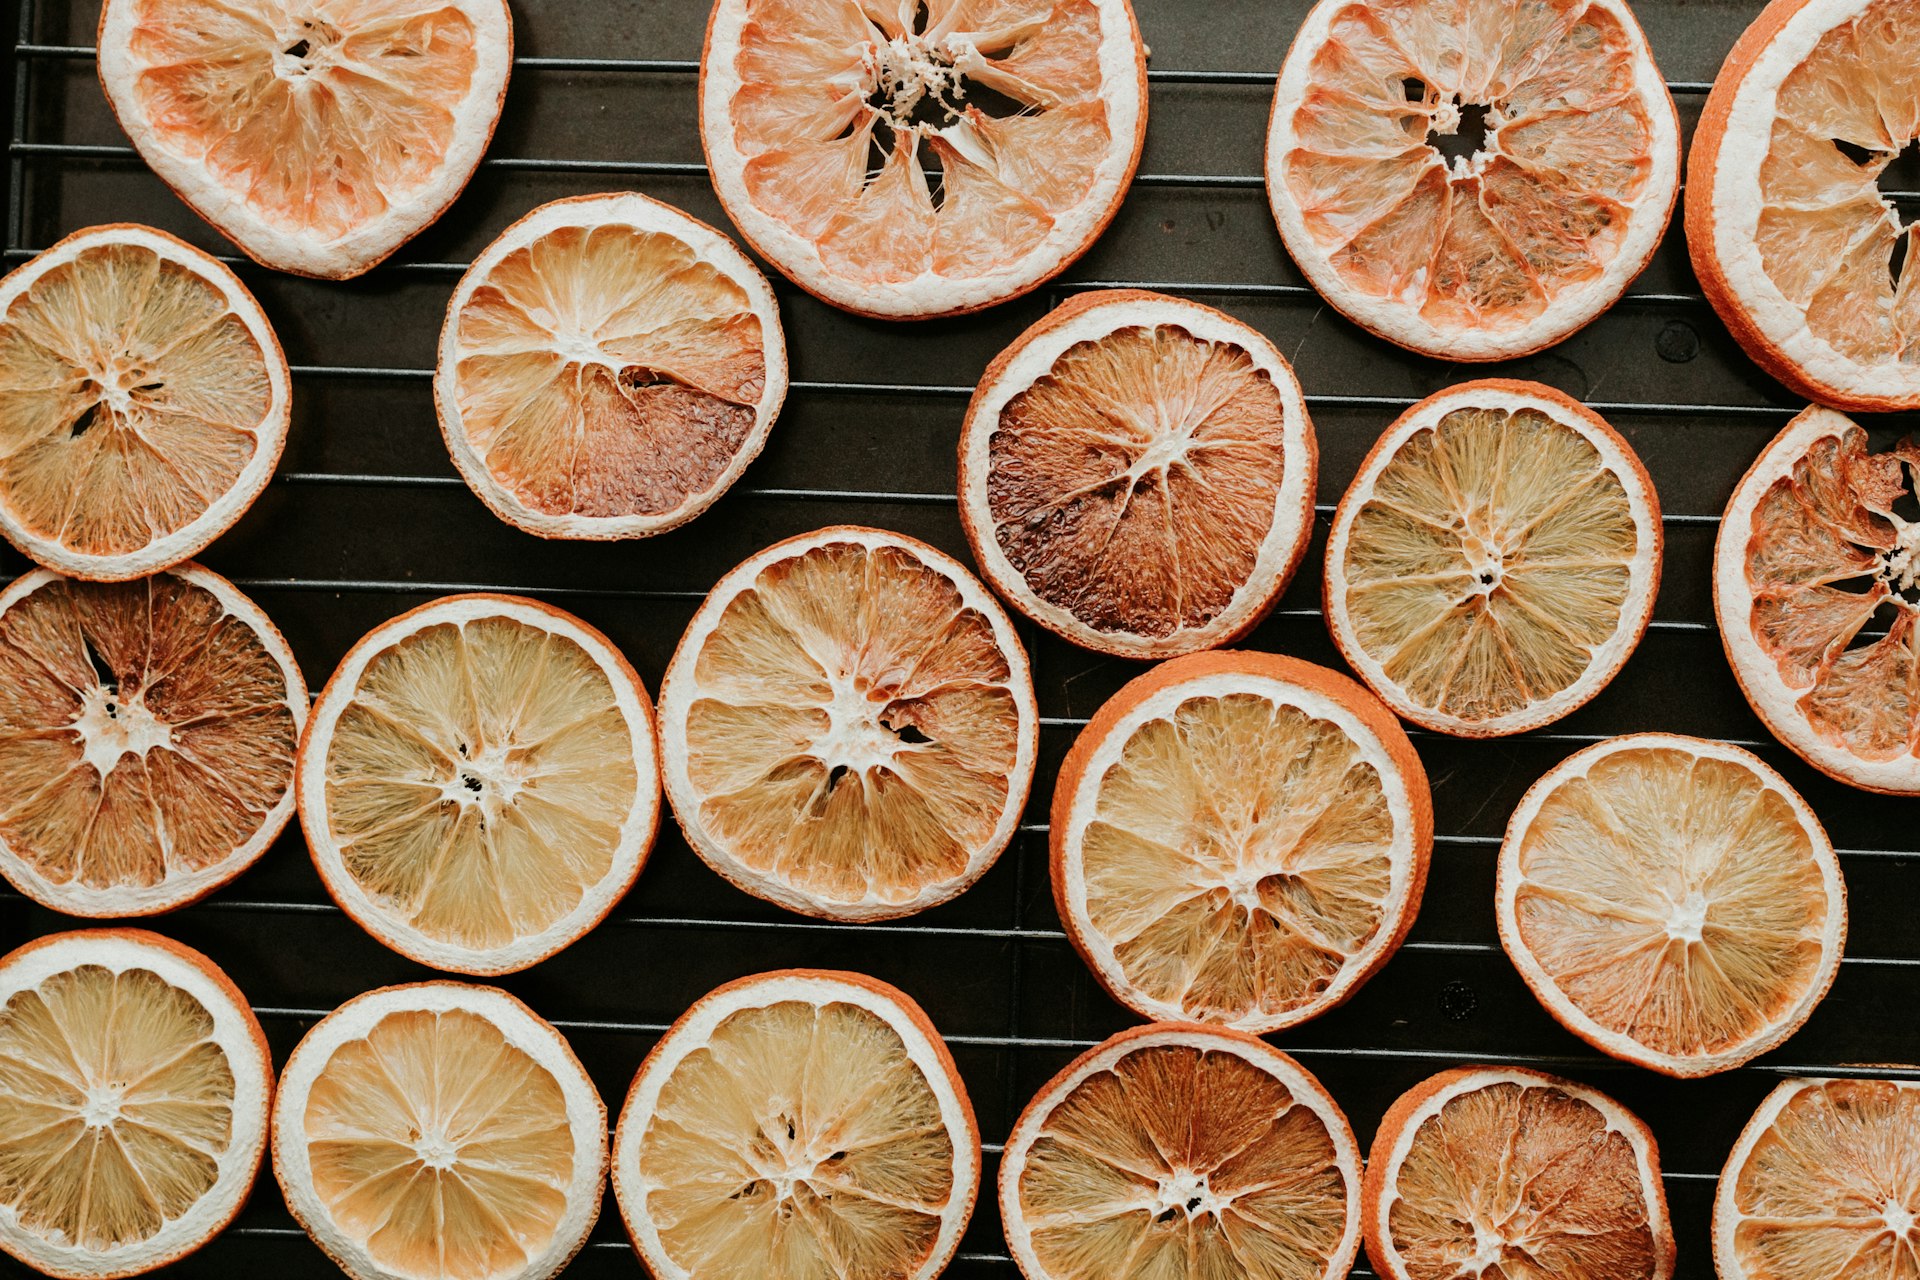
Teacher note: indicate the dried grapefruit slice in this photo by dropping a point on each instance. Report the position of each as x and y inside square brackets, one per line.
[798, 1125]
[1500, 1171]
[1239, 838]
[909, 159]
[317, 135]
[143, 403]
[1671, 901]
[1473, 183]
[1175, 1151]
[848, 726]
[1137, 474]
[133, 1102]
[440, 1131]
[607, 368]
[1495, 561]
[479, 782]
[1821, 1184]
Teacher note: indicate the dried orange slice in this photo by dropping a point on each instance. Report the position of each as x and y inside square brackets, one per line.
[607, 368]
[1821, 1184]
[796, 1125]
[1472, 183]
[317, 135]
[147, 735]
[440, 1131]
[1671, 901]
[1137, 474]
[1500, 1171]
[143, 403]
[922, 159]
[848, 726]
[133, 1102]
[1176, 1151]
[1495, 561]
[479, 782]
[1239, 838]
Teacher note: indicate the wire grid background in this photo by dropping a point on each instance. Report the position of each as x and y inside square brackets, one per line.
[367, 519]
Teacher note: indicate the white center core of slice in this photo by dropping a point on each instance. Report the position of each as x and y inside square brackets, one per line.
[855, 737]
[1899, 1218]
[489, 779]
[1187, 1192]
[111, 726]
[102, 1106]
[1688, 918]
[435, 1151]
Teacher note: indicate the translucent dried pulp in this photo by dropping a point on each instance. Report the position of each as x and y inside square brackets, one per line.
[798, 1125]
[479, 782]
[848, 726]
[1137, 474]
[143, 402]
[907, 159]
[608, 367]
[1473, 183]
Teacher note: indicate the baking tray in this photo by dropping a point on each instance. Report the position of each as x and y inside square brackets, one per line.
[367, 518]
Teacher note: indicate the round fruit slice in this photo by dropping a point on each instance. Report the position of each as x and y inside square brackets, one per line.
[147, 735]
[143, 403]
[1811, 551]
[1239, 838]
[1176, 1150]
[316, 135]
[1472, 183]
[793, 1125]
[848, 726]
[1821, 1184]
[922, 159]
[1792, 240]
[608, 367]
[1499, 1171]
[440, 1131]
[479, 783]
[1136, 474]
[1671, 901]
[1495, 561]
[133, 1102]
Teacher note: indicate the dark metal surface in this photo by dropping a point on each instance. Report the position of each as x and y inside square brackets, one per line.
[367, 519]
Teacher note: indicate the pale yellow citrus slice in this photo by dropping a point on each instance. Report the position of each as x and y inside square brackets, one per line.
[479, 782]
[133, 1102]
[318, 135]
[910, 159]
[1176, 1151]
[1495, 561]
[848, 726]
[1137, 474]
[143, 403]
[440, 1131]
[1239, 838]
[799, 1125]
[1500, 1171]
[1473, 182]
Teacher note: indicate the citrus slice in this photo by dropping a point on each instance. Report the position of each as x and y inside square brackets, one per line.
[798, 1125]
[1790, 236]
[922, 159]
[147, 735]
[848, 726]
[1177, 1151]
[1473, 184]
[608, 367]
[440, 1131]
[1495, 561]
[318, 136]
[1500, 1171]
[1671, 901]
[133, 1102]
[143, 403]
[1811, 563]
[1821, 1184]
[1239, 838]
[1137, 473]
[479, 782]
